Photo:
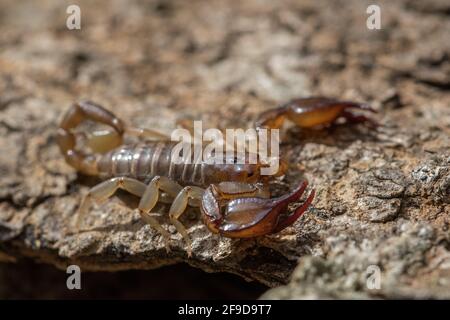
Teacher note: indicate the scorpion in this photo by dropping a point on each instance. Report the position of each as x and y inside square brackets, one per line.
[234, 199]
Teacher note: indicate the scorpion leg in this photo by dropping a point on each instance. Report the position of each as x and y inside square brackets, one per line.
[148, 193]
[188, 125]
[179, 206]
[150, 198]
[310, 112]
[182, 199]
[106, 189]
[146, 133]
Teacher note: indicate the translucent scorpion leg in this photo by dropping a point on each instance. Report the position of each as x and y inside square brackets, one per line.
[171, 189]
[146, 133]
[169, 186]
[151, 196]
[188, 125]
[147, 203]
[106, 189]
[179, 206]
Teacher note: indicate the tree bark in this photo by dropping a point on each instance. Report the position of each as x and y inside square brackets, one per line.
[382, 195]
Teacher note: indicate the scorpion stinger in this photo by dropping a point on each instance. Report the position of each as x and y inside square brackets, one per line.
[99, 141]
[66, 139]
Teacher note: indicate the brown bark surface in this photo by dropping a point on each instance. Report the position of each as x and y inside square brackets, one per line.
[382, 195]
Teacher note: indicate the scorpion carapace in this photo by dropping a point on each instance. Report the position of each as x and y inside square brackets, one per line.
[234, 198]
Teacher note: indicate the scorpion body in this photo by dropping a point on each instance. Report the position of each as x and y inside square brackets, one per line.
[145, 161]
[234, 198]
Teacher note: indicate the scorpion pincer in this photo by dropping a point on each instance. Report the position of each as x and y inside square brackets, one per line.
[234, 198]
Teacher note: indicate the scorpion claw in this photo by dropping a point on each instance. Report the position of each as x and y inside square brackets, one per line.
[314, 112]
[252, 216]
[287, 221]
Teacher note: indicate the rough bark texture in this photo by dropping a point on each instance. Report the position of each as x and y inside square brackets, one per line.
[382, 195]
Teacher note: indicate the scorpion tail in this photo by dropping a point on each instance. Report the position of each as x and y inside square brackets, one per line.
[100, 142]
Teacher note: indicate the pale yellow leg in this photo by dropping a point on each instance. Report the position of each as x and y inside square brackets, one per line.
[179, 206]
[148, 194]
[106, 189]
[150, 198]
[148, 134]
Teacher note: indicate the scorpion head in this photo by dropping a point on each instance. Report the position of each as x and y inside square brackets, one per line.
[246, 172]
